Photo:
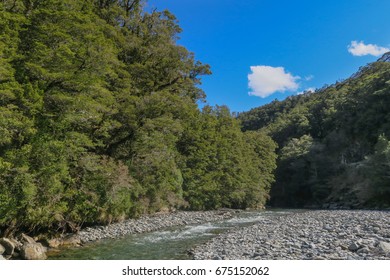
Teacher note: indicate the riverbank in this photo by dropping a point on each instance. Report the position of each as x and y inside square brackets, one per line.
[151, 223]
[322, 234]
[14, 248]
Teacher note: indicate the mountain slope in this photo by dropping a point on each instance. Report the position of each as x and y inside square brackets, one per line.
[333, 144]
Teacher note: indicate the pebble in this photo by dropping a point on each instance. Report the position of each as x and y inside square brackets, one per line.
[320, 234]
[353, 247]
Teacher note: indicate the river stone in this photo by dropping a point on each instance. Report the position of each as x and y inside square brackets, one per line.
[384, 247]
[343, 235]
[28, 239]
[353, 247]
[363, 250]
[72, 240]
[328, 228]
[2, 249]
[2, 258]
[31, 251]
[8, 245]
[54, 243]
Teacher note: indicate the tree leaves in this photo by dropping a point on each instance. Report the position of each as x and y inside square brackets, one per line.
[99, 120]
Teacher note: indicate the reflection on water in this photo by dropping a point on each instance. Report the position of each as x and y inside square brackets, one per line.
[169, 244]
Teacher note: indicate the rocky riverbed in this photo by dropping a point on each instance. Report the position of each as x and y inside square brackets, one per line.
[151, 223]
[322, 234]
[26, 247]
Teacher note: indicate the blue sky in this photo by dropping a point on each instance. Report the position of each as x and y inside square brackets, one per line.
[261, 50]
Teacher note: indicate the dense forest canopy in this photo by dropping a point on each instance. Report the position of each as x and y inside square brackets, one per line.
[99, 120]
[333, 144]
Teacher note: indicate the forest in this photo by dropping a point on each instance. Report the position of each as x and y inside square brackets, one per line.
[333, 144]
[102, 119]
[99, 120]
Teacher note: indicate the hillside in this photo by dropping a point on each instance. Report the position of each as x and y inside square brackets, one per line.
[334, 144]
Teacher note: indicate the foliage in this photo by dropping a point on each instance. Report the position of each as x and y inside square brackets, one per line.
[99, 120]
[223, 167]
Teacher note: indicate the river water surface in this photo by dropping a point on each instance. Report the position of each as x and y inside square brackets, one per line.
[169, 244]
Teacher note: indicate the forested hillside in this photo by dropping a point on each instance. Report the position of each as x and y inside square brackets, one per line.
[99, 120]
[334, 144]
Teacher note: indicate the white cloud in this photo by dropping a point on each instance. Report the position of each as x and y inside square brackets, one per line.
[309, 78]
[311, 89]
[266, 80]
[359, 49]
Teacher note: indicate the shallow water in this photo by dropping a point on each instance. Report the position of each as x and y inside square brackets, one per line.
[168, 244]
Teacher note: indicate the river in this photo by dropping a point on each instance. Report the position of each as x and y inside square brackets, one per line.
[169, 244]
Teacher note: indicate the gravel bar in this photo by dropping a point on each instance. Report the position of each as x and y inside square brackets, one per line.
[322, 234]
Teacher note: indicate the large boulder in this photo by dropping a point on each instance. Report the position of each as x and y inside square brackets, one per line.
[2, 249]
[33, 251]
[8, 245]
[71, 240]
